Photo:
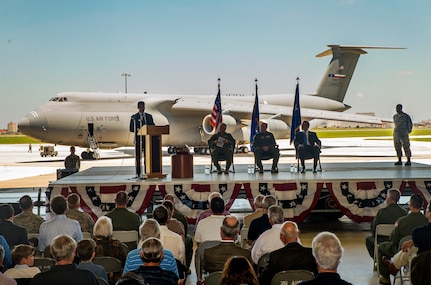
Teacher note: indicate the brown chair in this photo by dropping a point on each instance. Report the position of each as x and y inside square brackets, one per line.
[43, 263]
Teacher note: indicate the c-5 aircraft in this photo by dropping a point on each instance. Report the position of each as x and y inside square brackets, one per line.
[101, 120]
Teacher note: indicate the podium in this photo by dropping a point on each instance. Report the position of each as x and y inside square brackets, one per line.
[153, 149]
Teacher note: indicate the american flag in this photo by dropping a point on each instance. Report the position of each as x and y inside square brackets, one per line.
[216, 115]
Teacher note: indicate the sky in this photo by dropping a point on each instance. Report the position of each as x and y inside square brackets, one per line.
[184, 46]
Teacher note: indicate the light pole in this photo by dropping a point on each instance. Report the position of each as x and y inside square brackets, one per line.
[125, 78]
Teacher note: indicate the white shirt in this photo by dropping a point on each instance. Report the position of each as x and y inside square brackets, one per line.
[209, 228]
[268, 241]
[174, 243]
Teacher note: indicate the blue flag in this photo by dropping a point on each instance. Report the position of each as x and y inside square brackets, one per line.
[296, 115]
[255, 128]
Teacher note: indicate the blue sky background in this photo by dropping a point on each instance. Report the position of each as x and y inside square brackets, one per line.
[182, 47]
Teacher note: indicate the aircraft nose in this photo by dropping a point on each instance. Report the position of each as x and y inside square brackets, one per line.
[34, 124]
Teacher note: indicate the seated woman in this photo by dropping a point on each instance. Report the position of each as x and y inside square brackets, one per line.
[106, 245]
[238, 270]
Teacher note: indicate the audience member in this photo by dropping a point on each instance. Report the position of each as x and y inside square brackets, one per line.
[205, 228]
[403, 227]
[173, 224]
[152, 255]
[59, 225]
[26, 218]
[328, 251]
[208, 212]
[221, 143]
[64, 271]
[270, 239]
[106, 244]
[149, 228]
[261, 224]
[177, 227]
[215, 257]
[84, 219]
[420, 242]
[131, 278]
[123, 219]
[23, 257]
[6, 260]
[171, 240]
[14, 234]
[238, 270]
[387, 215]
[177, 214]
[258, 211]
[264, 142]
[4, 280]
[293, 256]
[86, 251]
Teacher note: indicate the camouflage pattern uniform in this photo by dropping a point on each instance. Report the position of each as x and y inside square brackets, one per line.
[83, 218]
[403, 127]
[29, 220]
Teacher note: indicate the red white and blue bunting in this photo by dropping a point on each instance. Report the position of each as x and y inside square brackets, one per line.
[359, 200]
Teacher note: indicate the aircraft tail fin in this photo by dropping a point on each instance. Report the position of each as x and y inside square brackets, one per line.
[340, 70]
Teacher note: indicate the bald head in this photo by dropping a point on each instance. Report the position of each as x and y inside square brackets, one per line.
[289, 232]
[230, 228]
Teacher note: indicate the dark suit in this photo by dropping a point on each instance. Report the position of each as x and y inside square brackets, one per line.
[421, 237]
[215, 257]
[307, 150]
[226, 149]
[13, 234]
[66, 275]
[136, 122]
[326, 278]
[292, 256]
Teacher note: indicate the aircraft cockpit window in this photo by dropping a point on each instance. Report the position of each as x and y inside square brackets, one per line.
[54, 99]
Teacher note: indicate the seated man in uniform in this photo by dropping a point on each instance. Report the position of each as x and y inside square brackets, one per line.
[222, 143]
[307, 143]
[264, 142]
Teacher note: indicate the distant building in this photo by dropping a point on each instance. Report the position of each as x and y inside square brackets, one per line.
[342, 124]
[12, 127]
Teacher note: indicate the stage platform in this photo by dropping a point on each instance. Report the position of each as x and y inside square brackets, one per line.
[357, 189]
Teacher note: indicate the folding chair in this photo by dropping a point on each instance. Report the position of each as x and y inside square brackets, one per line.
[265, 156]
[404, 272]
[43, 263]
[199, 255]
[244, 239]
[308, 155]
[101, 281]
[262, 263]
[130, 238]
[381, 230]
[222, 157]
[111, 264]
[291, 277]
[213, 278]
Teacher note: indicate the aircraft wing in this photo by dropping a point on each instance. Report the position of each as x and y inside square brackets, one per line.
[242, 111]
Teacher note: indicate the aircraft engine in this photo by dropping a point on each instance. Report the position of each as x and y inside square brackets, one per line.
[278, 127]
[230, 122]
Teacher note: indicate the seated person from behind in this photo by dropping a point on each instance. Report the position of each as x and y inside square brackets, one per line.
[264, 142]
[238, 270]
[72, 161]
[307, 144]
[86, 251]
[64, 271]
[152, 254]
[222, 143]
[23, 257]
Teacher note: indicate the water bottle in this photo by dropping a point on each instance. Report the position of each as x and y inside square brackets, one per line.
[292, 169]
[207, 169]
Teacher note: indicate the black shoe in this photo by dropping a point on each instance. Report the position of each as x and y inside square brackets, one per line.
[219, 172]
[303, 170]
[274, 170]
[260, 170]
[398, 163]
[226, 172]
[408, 163]
[314, 170]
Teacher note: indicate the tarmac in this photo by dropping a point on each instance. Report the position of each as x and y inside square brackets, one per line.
[23, 172]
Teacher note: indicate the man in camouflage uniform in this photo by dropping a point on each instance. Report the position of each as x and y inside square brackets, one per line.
[26, 218]
[72, 161]
[74, 213]
[403, 127]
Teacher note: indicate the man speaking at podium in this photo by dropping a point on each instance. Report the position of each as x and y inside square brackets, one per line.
[136, 122]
